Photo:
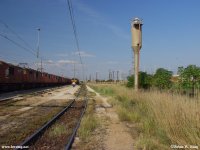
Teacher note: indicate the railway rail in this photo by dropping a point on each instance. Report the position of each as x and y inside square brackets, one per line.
[69, 119]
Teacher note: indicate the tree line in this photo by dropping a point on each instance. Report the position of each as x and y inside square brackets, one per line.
[188, 79]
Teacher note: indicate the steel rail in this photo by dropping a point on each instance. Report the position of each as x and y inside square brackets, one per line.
[34, 137]
[71, 140]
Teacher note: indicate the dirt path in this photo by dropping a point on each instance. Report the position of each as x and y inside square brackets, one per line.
[116, 136]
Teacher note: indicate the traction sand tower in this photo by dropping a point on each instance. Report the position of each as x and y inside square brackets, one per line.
[136, 30]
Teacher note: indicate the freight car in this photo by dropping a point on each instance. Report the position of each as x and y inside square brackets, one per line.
[13, 77]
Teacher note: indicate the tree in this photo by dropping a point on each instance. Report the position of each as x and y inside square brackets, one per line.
[144, 80]
[162, 78]
[130, 82]
[189, 77]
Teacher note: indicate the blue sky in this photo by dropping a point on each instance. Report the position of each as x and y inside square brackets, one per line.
[171, 34]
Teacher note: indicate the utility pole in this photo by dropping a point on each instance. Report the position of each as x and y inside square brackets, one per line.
[41, 65]
[110, 75]
[96, 76]
[113, 76]
[136, 29]
[74, 69]
[38, 48]
[90, 78]
[117, 75]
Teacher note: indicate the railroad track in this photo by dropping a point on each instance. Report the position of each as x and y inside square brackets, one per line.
[59, 132]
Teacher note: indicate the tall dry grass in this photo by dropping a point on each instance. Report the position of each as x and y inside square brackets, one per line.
[163, 119]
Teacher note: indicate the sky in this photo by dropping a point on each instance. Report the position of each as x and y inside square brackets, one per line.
[170, 35]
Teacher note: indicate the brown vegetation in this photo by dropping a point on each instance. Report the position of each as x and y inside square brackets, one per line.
[161, 119]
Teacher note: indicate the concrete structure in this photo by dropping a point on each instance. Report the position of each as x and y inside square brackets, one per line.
[136, 30]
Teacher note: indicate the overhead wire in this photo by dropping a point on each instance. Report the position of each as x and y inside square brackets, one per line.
[17, 35]
[27, 48]
[71, 12]
[70, 7]
[17, 44]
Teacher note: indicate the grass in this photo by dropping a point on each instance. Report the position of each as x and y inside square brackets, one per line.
[88, 125]
[89, 122]
[104, 91]
[162, 119]
[58, 130]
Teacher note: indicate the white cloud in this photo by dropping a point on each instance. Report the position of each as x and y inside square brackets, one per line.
[49, 62]
[67, 62]
[84, 54]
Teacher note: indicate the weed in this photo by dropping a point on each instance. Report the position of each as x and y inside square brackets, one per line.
[58, 130]
[88, 125]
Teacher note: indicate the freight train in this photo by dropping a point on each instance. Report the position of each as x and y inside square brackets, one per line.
[13, 78]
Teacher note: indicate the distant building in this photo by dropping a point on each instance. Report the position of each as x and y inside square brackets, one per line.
[175, 78]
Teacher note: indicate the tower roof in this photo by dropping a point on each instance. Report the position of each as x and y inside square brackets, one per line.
[137, 21]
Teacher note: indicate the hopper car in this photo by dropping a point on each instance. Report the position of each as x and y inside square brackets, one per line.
[13, 77]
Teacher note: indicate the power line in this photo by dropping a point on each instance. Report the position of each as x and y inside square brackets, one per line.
[18, 36]
[17, 44]
[71, 12]
[28, 48]
[70, 7]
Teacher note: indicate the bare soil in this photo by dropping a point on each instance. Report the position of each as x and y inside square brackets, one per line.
[111, 135]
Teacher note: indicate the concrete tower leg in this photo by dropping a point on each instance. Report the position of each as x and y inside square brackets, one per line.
[136, 69]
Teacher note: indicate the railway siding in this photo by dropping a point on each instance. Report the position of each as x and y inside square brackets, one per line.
[61, 134]
[20, 119]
